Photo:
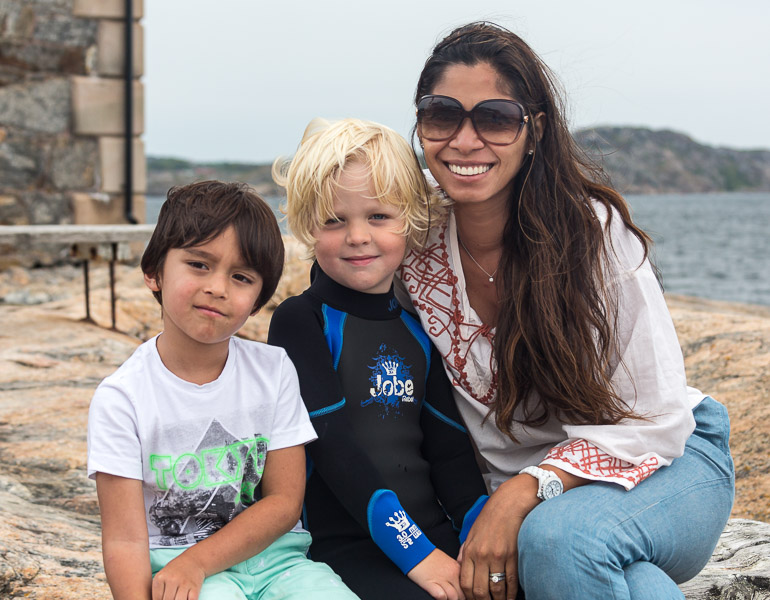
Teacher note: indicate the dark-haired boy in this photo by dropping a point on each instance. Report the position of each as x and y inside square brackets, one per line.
[197, 441]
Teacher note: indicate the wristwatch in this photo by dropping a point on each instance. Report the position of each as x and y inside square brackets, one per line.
[549, 485]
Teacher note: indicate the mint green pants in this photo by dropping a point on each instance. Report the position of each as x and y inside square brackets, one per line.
[280, 571]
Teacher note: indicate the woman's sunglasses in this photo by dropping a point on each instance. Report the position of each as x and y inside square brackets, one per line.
[497, 122]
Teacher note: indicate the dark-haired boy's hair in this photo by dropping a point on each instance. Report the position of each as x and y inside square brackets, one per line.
[198, 212]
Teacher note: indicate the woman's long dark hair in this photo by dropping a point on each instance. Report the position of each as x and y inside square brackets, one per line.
[555, 330]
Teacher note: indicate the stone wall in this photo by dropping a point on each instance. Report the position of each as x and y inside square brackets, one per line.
[62, 115]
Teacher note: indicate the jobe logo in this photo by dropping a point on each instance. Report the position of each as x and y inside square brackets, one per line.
[391, 382]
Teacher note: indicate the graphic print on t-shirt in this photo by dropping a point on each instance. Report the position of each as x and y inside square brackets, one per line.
[201, 491]
[391, 383]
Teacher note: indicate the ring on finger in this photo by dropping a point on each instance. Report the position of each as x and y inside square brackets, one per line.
[496, 577]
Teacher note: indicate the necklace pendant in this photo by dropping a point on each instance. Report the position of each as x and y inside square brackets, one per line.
[483, 270]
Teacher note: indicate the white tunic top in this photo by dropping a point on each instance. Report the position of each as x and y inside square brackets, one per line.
[648, 373]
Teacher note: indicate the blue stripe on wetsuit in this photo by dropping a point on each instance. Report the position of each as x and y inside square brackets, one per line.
[413, 325]
[470, 517]
[334, 324]
[327, 409]
[442, 417]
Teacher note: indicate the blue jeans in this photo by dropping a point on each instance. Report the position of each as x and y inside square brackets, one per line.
[600, 541]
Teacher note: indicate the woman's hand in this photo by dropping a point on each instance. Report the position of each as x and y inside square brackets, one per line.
[491, 546]
[439, 575]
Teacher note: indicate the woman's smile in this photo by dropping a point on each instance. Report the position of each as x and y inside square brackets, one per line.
[467, 170]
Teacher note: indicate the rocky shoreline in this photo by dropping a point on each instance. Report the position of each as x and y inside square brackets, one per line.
[51, 361]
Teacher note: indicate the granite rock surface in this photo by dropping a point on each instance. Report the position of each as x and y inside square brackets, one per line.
[51, 361]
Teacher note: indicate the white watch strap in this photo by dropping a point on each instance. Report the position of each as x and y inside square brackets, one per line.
[537, 472]
[543, 476]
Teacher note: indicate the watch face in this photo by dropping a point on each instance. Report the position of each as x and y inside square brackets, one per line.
[552, 489]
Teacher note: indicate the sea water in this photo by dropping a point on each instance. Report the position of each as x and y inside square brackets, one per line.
[709, 245]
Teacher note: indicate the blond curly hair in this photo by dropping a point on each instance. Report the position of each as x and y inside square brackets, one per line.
[311, 178]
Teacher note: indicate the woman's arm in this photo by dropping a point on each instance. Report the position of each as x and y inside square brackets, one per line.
[491, 544]
[125, 542]
[253, 530]
[647, 374]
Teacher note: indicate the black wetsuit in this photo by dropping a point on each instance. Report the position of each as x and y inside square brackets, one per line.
[383, 409]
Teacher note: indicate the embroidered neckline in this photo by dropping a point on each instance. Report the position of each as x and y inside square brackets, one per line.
[427, 272]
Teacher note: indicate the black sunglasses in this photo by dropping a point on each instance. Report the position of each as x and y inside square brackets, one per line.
[498, 122]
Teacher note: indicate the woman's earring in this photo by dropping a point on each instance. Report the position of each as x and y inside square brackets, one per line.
[531, 152]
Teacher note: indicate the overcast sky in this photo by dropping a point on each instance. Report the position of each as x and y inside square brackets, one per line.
[239, 79]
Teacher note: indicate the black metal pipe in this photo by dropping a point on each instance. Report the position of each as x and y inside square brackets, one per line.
[129, 114]
[113, 258]
[88, 318]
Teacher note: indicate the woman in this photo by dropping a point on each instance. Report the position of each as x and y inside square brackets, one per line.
[538, 293]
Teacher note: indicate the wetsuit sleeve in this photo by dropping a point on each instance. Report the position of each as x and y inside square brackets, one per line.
[297, 326]
[446, 446]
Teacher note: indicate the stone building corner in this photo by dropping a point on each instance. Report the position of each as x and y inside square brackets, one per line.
[62, 122]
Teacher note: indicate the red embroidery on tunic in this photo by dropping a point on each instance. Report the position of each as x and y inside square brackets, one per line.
[433, 286]
[587, 458]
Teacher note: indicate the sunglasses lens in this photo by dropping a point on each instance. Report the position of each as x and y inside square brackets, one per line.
[498, 121]
[438, 118]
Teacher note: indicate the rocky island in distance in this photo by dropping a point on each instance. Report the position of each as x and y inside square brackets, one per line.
[638, 161]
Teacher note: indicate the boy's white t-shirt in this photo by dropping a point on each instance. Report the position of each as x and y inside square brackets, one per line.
[198, 449]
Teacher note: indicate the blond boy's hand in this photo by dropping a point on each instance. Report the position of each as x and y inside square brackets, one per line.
[180, 578]
[439, 575]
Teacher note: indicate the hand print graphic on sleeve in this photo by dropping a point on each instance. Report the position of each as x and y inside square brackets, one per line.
[407, 531]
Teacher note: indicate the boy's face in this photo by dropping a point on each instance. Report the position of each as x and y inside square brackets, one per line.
[208, 291]
[362, 248]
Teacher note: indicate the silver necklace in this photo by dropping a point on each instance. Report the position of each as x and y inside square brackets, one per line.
[487, 273]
